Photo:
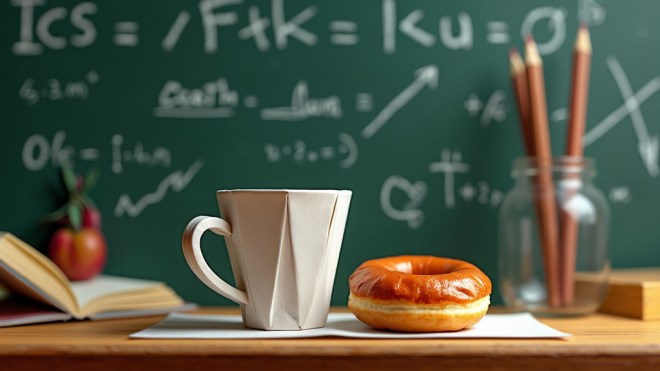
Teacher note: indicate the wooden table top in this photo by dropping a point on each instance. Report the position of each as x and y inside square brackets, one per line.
[599, 342]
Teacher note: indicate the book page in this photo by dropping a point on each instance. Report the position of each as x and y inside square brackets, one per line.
[25, 271]
[90, 290]
[19, 285]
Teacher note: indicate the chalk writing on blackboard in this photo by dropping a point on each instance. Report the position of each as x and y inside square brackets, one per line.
[303, 106]
[364, 102]
[648, 145]
[126, 34]
[35, 32]
[277, 26]
[345, 151]
[214, 99]
[172, 37]
[175, 182]
[481, 193]
[450, 164]
[424, 77]
[410, 211]
[559, 114]
[343, 32]
[498, 32]
[620, 194]
[53, 89]
[121, 154]
[591, 13]
[556, 18]
[40, 151]
[493, 110]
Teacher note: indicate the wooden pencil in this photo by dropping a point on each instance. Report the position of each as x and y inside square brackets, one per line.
[548, 223]
[577, 114]
[521, 91]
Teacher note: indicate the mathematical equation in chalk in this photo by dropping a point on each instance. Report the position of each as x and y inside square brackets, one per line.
[216, 99]
[40, 152]
[52, 89]
[344, 151]
[494, 109]
[402, 199]
[277, 24]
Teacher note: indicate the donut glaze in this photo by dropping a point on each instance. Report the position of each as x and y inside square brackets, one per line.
[419, 293]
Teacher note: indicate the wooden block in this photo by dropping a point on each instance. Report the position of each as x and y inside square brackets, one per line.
[634, 293]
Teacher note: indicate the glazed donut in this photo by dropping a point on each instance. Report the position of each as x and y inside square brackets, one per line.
[419, 294]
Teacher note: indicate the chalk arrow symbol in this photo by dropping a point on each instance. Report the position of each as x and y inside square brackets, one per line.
[648, 150]
[426, 76]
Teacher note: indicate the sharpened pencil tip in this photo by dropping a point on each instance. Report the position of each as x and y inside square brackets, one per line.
[532, 56]
[583, 40]
[516, 64]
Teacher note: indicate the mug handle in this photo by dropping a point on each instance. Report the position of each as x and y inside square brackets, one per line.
[192, 250]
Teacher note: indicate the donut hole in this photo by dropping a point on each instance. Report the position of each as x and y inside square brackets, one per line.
[423, 267]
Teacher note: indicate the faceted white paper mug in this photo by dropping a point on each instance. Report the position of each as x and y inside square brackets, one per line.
[283, 248]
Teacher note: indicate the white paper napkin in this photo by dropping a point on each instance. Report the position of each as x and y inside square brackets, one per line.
[195, 326]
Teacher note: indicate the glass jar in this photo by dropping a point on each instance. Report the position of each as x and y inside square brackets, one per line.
[553, 238]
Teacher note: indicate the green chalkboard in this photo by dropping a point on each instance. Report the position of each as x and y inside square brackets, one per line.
[172, 100]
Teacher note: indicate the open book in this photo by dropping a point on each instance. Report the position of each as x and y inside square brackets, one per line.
[26, 273]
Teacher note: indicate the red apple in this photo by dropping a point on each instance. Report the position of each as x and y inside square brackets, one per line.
[80, 254]
[91, 218]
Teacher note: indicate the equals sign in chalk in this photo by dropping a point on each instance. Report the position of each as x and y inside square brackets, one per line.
[89, 154]
[126, 34]
[364, 102]
[343, 33]
[498, 32]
